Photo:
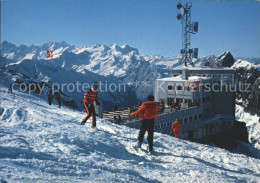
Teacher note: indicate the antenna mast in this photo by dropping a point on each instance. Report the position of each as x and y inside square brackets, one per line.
[188, 28]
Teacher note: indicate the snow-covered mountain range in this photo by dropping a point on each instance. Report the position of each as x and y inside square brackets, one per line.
[42, 143]
[123, 63]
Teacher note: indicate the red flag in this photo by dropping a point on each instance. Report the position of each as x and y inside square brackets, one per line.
[50, 53]
[188, 85]
[194, 85]
[200, 82]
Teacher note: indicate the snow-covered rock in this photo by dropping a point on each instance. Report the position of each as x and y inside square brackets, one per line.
[246, 72]
[226, 59]
[42, 143]
[252, 123]
[246, 65]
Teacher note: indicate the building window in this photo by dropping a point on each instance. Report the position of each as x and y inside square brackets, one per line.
[185, 120]
[227, 79]
[180, 120]
[155, 127]
[207, 98]
[203, 87]
[200, 116]
[170, 87]
[190, 119]
[179, 88]
[195, 117]
[203, 99]
[216, 79]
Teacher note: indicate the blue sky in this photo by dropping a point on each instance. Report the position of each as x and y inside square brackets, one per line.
[149, 25]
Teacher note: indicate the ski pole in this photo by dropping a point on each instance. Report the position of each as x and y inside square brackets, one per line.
[170, 133]
[130, 134]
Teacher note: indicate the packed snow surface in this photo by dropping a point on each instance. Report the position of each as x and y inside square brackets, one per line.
[42, 143]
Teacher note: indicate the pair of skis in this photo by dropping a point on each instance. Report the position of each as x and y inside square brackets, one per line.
[139, 150]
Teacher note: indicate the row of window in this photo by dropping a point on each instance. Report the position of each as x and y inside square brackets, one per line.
[188, 101]
[207, 110]
[190, 88]
[163, 125]
[195, 117]
[182, 121]
[227, 122]
[191, 119]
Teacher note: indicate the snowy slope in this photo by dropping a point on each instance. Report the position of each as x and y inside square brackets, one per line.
[252, 123]
[41, 143]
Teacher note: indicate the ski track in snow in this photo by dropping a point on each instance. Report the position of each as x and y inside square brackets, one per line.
[42, 143]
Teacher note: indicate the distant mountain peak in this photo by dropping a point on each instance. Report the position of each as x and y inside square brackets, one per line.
[128, 49]
[226, 59]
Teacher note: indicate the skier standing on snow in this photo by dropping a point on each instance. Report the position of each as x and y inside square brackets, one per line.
[58, 98]
[10, 90]
[119, 119]
[176, 126]
[115, 119]
[147, 112]
[89, 98]
[172, 105]
[50, 96]
[163, 107]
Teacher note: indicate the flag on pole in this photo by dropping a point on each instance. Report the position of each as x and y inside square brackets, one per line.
[49, 53]
[188, 85]
[194, 85]
[200, 82]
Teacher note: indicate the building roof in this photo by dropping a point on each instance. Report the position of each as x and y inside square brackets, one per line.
[178, 78]
[202, 68]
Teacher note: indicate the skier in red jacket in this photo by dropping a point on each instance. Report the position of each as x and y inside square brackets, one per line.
[147, 112]
[89, 98]
[176, 126]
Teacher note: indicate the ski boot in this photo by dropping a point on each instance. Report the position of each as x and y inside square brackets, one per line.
[93, 127]
[138, 146]
[82, 122]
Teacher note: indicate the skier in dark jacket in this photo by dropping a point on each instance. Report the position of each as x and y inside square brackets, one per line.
[10, 90]
[90, 97]
[147, 112]
[50, 96]
[119, 119]
[58, 98]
